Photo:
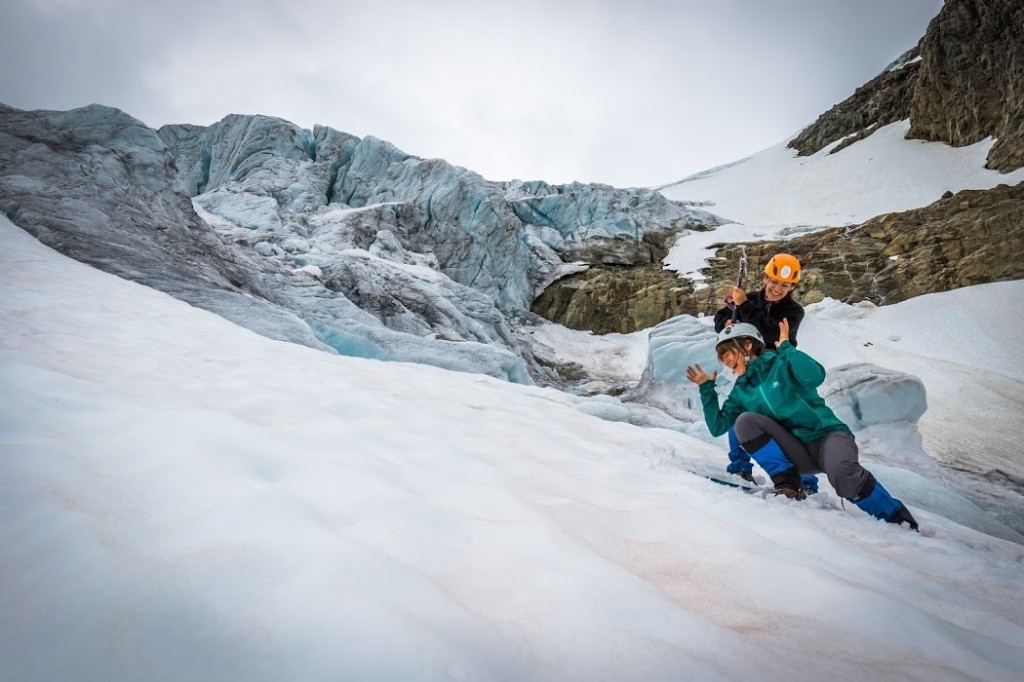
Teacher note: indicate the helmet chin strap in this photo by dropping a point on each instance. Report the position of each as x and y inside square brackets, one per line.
[743, 352]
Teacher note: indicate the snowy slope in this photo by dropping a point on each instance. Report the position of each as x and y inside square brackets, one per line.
[184, 499]
[879, 174]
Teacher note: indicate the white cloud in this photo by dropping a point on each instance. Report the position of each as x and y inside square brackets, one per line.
[628, 94]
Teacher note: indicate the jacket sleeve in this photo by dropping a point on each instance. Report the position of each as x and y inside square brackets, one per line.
[802, 367]
[721, 317]
[718, 419]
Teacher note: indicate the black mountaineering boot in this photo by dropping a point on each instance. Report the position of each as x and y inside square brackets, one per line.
[788, 483]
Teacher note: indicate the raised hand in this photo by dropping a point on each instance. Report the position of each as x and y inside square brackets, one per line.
[783, 331]
[698, 376]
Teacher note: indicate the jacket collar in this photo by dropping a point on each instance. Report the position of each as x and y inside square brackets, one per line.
[757, 369]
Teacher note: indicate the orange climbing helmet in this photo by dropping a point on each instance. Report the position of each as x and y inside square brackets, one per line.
[784, 268]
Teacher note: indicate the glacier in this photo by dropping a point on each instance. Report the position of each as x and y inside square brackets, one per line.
[318, 237]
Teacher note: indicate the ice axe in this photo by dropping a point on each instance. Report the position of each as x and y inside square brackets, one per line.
[739, 282]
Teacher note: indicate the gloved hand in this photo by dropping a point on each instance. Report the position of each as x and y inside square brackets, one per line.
[744, 470]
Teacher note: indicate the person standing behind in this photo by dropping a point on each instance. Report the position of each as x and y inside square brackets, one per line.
[765, 309]
[773, 303]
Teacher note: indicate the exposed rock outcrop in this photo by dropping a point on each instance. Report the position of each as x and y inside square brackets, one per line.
[972, 79]
[972, 237]
[609, 299]
[883, 100]
[962, 83]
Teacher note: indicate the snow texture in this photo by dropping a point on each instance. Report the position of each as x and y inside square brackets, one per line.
[185, 499]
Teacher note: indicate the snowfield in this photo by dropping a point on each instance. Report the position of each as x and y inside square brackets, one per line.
[184, 499]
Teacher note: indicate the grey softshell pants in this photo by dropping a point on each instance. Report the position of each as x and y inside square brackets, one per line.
[835, 455]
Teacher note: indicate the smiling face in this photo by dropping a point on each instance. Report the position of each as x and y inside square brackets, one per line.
[774, 290]
[730, 356]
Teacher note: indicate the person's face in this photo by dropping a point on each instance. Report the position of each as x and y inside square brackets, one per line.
[774, 290]
[732, 358]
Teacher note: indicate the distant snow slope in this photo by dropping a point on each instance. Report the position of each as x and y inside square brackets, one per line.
[880, 174]
[962, 345]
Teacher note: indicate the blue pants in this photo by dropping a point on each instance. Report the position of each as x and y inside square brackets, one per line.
[835, 454]
[739, 461]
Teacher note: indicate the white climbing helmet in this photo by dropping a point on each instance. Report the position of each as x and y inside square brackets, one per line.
[740, 330]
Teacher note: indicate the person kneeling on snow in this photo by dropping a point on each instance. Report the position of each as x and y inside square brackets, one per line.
[785, 426]
[765, 309]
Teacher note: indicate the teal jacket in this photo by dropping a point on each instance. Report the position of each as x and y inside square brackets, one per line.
[779, 384]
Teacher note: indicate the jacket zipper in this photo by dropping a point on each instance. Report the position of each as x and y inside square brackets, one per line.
[767, 403]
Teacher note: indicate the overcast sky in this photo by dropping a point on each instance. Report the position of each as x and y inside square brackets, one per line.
[633, 93]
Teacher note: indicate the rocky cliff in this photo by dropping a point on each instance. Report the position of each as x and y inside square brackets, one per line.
[972, 79]
[972, 237]
[615, 299]
[884, 99]
[963, 82]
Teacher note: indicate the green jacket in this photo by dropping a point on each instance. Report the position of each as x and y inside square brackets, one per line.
[779, 384]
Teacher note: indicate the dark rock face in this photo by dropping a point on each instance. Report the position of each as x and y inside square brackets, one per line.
[609, 299]
[972, 79]
[623, 290]
[967, 85]
[883, 100]
[973, 237]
